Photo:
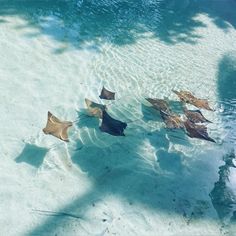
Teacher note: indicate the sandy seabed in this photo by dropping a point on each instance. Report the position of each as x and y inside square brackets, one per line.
[150, 182]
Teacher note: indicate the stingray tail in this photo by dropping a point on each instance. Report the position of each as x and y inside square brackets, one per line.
[174, 91]
[208, 121]
[210, 139]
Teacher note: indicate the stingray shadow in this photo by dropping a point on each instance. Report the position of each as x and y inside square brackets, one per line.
[85, 120]
[176, 106]
[150, 113]
[169, 161]
[178, 136]
[32, 154]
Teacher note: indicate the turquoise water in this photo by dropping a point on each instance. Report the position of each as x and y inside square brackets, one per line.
[153, 181]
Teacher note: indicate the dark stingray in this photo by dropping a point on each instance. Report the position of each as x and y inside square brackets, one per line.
[159, 104]
[195, 116]
[111, 125]
[172, 121]
[197, 131]
[106, 94]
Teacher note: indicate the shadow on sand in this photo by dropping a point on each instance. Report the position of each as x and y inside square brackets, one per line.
[32, 154]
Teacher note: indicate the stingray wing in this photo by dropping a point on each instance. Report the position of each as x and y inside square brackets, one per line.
[194, 116]
[170, 123]
[202, 103]
[50, 126]
[151, 100]
[166, 119]
[204, 134]
[91, 104]
[190, 129]
[184, 96]
[46, 130]
[159, 104]
[197, 131]
[96, 112]
[202, 129]
[180, 95]
[63, 132]
[195, 111]
[171, 120]
[53, 118]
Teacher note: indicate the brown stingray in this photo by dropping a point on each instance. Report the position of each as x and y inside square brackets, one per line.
[57, 127]
[172, 121]
[95, 109]
[195, 116]
[197, 131]
[187, 97]
[202, 103]
[106, 94]
[184, 96]
[159, 104]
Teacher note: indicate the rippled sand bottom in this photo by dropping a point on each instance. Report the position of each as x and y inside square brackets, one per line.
[152, 181]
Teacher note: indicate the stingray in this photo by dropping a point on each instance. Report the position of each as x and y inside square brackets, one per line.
[111, 125]
[172, 121]
[57, 127]
[106, 94]
[187, 97]
[95, 109]
[202, 103]
[184, 96]
[197, 131]
[160, 104]
[195, 116]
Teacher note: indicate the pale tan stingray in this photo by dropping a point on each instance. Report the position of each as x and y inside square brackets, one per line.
[184, 96]
[202, 103]
[95, 109]
[187, 97]
[57, 127]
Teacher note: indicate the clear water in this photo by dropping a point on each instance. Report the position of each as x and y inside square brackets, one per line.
[153, 181]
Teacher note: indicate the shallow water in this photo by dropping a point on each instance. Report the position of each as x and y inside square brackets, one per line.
[153, 180]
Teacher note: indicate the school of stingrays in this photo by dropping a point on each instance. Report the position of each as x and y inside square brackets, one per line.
[192, 122]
